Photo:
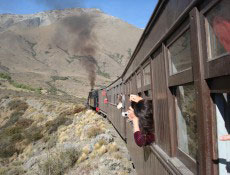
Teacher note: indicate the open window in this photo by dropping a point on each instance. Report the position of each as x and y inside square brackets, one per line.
[181, 84]
[217, 39]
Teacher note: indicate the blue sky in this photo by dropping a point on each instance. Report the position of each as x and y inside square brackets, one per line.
[135, 12]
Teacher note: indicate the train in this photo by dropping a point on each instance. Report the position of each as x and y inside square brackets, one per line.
[182, 64]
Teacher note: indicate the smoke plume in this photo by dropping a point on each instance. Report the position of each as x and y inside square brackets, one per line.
[82, 41]
[60, 4]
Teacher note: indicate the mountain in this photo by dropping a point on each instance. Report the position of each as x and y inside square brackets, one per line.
[65, 51]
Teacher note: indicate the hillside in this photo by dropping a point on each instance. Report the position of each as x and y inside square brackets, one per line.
[65, 51]
[42, 136]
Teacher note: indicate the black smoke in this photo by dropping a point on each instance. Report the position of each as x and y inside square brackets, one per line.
[62, 4]
[82, 41]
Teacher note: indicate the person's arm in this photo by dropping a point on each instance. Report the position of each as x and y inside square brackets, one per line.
[225, 138]
[135, 98]
[140, 140]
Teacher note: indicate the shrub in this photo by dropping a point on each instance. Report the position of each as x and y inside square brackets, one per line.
[5, 76]
[18, 105]
[33, 134]
[7, 149]
[76, 109]
[23, 122]
[51, 141]
[21, 86]
[94, 131]
[14, 117]
[59, 78]
[16, 170]
[57, 163]
[53, 125]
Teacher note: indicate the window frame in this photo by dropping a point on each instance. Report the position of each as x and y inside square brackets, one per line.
[217, 66]
[182, 77]
[179, 79]
[149, 86]
[139, 72]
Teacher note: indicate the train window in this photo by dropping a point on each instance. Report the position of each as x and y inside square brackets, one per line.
[222, 101]
[147, 76]
[139, 80]
[180, 54]
[186, 120]
[218, 30]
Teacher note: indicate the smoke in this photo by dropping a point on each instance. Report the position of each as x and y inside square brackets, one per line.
[81, 40]
[60, 4]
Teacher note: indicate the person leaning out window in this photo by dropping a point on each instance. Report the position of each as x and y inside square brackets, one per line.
[140, 113]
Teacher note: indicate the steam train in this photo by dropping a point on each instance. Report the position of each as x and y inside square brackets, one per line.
[181, 63]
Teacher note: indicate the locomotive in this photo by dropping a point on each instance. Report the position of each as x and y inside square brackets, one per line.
[92, 100]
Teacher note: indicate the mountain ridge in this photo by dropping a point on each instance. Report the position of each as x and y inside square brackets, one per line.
[34, 48]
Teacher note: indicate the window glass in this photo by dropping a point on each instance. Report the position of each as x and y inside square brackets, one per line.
[139, 80]
[218, 26]
[147, 76]
[180, 53]
[186, 120]
[222, 102]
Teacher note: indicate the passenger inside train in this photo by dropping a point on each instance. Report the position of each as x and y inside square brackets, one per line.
[140, 113]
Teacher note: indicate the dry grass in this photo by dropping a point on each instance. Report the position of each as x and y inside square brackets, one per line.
[15, 137]
[76, 109]
[59, 162]
[53, 125]
[33, 133]
[94, 131]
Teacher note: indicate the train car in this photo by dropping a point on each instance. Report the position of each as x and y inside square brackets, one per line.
[181, 63]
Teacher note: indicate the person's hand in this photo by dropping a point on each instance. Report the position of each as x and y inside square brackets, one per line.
[131, 114]
[225, 138]
[135, 98]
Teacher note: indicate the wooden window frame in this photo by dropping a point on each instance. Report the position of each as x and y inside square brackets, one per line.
[182, 77]
[173, 81]
[149, 86]
[140, 71]
[218, 66]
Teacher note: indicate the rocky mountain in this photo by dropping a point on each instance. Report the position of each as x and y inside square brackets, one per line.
[65, 51]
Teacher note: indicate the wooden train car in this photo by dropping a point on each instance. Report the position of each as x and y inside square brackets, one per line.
[181, 63]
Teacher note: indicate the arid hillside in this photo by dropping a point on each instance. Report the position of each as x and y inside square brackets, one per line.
[46, 136]
[65, 51]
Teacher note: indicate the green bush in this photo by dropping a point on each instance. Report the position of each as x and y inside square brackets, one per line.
[5, 76]
[21, 86]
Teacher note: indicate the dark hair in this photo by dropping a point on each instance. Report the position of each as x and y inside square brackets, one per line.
[143, 110]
